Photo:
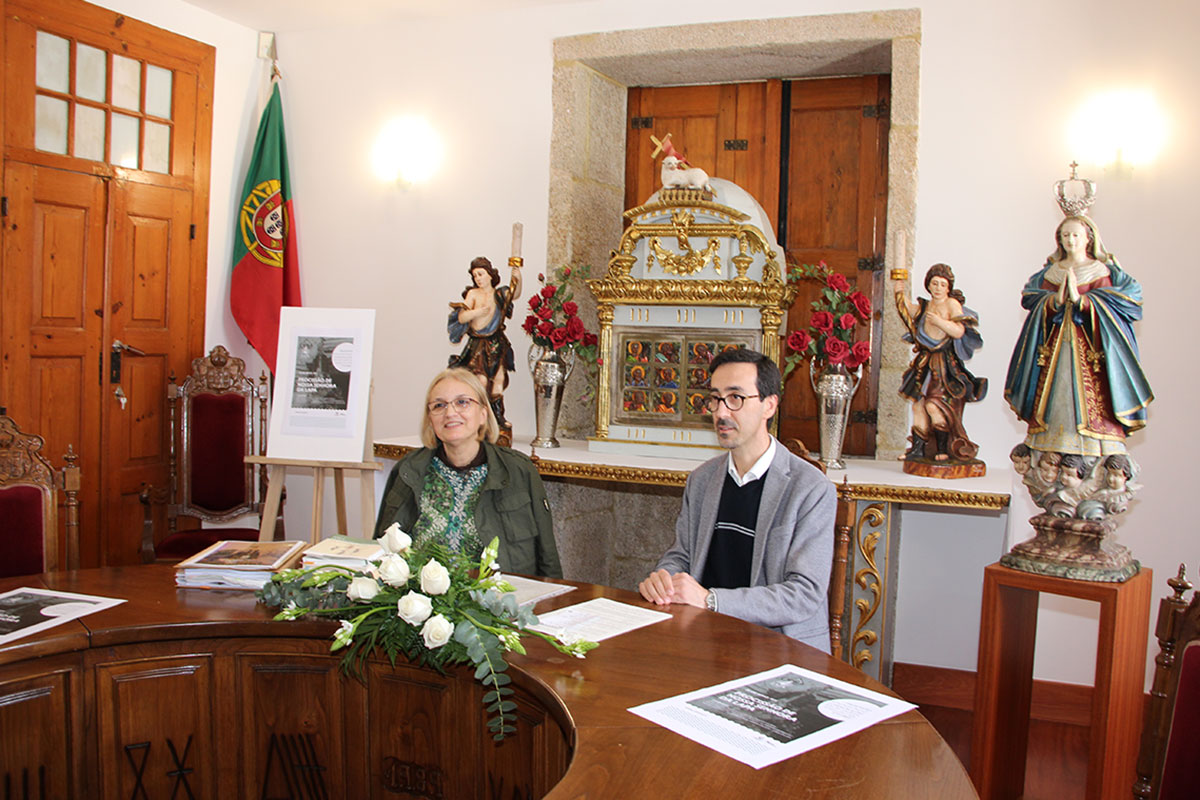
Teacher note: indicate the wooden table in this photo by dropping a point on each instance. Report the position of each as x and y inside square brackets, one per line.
[202, 686]
[1008, 629]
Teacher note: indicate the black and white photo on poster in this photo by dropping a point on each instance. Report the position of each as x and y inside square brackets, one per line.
[25, 611]
[322, 385]
[323, 369]
[785, 707]
[770, 716]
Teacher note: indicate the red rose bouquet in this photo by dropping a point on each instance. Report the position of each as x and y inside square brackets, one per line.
[837, 313]
[553, 321]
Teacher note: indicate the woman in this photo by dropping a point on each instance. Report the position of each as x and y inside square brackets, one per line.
[1075, 377]
[464, 490]
[943, 333]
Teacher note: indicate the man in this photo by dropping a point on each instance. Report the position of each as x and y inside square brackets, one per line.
[754, 538]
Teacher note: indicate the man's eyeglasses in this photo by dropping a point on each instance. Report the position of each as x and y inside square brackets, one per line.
[733, 402]
[461, 404]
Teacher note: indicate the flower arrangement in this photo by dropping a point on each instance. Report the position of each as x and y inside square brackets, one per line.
[553, 321]
[831, 328]
[431, 604]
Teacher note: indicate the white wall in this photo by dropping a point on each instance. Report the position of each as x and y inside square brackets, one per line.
[998, 84]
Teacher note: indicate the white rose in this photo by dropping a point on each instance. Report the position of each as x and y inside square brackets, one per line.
[434, 578]
[414, 608]
[362, 589]
[436, 631]
[395, 540]
[394, 570]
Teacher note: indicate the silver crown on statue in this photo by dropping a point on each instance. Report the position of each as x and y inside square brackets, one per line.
[1075, 204]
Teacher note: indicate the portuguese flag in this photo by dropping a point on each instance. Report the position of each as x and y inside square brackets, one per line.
[266, 269]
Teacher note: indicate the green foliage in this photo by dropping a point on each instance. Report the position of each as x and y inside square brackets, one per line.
[486, 623]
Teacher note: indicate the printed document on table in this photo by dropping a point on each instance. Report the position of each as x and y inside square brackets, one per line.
[765, 718]
[596, 620]
[529, 591]
[27, 610]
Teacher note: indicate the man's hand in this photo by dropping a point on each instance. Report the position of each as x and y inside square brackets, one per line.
[658, 587]
[687, 590]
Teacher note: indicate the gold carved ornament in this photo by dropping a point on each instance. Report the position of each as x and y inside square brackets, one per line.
[867, 578]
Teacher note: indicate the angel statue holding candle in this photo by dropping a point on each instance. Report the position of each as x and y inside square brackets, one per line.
[944, 334]
[480, 315]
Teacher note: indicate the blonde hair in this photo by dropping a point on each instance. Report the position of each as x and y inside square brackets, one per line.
[489, 430]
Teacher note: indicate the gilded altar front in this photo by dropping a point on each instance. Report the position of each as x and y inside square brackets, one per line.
[690, 278]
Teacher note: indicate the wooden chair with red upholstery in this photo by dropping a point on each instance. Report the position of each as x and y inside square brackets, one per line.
[214, 416]
[29, 489]
[1168, 766]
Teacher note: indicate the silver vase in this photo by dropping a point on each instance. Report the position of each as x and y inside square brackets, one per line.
[550, 369]
[835, 388]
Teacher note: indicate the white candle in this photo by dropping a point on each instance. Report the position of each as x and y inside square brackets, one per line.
[518, 228]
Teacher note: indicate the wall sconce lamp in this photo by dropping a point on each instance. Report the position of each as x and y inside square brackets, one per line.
[1118, 130]
[407, 151]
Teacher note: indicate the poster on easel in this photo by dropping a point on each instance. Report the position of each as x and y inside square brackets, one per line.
[322, 384]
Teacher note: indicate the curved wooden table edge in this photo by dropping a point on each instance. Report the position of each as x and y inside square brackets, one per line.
[696, 648]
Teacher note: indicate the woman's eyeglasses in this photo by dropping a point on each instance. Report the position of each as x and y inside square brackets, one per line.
[461, 404]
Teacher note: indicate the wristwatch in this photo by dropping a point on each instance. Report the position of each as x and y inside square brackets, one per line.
[710, 601]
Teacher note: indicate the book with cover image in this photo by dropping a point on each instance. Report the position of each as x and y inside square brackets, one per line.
[237, 564]
[343, 551]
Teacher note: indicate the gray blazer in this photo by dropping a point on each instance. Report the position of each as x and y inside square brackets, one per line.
[793, 546]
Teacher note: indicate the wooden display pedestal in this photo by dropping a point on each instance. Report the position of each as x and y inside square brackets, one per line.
[1008, 629]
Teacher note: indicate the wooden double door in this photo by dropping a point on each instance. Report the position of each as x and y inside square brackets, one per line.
[814, 154]
[103, 248]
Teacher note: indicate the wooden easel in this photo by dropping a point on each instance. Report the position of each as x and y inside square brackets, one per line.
[278, 471]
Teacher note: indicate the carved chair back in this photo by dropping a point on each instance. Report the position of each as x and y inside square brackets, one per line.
[841, 544]
[29, 488]
[1168, 765]
[214, 416]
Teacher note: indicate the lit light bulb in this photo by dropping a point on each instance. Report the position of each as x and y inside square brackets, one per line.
[408, 150]
[1122, 128]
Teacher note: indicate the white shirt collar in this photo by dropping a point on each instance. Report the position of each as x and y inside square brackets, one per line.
[755, 472]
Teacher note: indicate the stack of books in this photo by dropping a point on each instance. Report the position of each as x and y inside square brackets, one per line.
[343, 551]
[237, 564]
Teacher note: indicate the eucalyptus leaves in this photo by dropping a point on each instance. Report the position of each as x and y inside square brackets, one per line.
[432, 605]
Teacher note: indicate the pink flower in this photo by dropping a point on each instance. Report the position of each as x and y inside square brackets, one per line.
[822, 321]
[847, 321]
[570, 308]
[837, 281]
[836, 350]
[862, 305]
[798, 341]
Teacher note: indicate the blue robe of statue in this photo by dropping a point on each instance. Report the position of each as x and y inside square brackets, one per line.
[1075, 376]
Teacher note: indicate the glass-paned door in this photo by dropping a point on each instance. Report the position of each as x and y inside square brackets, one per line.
[102, 106]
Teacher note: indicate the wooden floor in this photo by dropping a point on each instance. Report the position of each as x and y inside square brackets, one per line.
[1056, 767]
